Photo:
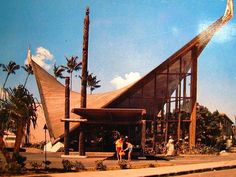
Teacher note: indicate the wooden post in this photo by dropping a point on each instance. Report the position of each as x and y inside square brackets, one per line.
[179, 114]
[155, 115]
[184, 84]
[154, 130]
[167, 106]
[67, 116]
[143, 135]
[193, 94]
[83, 102]
[176, 98]
[184, 90]
[179, 100]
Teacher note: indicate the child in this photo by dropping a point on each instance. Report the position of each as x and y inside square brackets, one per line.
[129, 148]
[119, 148]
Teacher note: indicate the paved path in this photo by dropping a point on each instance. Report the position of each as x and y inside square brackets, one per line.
[159, 171]
[225, 173]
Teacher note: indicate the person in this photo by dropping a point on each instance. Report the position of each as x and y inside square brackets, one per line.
[119, 148]
[129, 148]
[170, 147]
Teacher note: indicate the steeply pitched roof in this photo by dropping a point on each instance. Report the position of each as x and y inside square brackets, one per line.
[52, 92]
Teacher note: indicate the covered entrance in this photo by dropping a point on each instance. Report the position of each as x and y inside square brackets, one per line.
[103, 126]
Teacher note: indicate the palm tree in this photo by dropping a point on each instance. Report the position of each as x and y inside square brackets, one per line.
[93, 82]
[57, 70]
[10, 68]
[22, 109]
[29, 70]
[72, 65]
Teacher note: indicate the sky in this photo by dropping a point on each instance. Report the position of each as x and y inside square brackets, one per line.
[127, 39]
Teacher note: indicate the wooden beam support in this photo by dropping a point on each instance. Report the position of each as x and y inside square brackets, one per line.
[143, 134]
[167, 106]
[176, 98]
[193, 94]
[179, 101]
[175, 120]
[67, 116]
[73, 120]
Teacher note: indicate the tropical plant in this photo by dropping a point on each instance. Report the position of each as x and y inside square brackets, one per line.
[10, 68]
[93, 83]
[123, 164]
[67, 165]
[100, 166]
[58, 70]
[36, 166]
[3, 117]
[72, 65]
[21, 108]
[29, 70]
[209, 130]
[78, 166]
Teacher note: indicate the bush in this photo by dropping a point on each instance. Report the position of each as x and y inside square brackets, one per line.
[67, 165]
[151, 165]
[15, 168]
[78, 166]
[36, 166]
[70, 166]
[19, 159]
[123, 164]
[100, 166]
[47, 163]
[3, 163]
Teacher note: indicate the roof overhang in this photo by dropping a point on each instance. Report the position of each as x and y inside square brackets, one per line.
[110, 115]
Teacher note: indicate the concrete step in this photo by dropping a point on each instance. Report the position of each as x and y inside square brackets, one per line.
[95, 154]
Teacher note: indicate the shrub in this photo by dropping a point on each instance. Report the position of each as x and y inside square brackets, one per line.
[3, 163]
[123, 164]
[14, 168]
[47, 163]
[78, 166]
[36, 166]
[20, 160]
[67, 165]
[100, 166]
[151, 165]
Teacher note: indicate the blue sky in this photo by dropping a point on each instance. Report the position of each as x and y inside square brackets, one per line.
[128, 38]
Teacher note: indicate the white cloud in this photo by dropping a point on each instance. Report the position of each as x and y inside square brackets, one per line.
[43, 57]
[175, 31]
[225, 34]
[120, 82]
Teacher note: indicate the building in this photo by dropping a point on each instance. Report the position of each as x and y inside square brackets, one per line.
[148, 111]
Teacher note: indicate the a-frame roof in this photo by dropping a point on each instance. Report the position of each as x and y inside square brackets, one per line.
[52, 92]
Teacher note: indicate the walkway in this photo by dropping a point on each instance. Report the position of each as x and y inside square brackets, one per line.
[159, 171]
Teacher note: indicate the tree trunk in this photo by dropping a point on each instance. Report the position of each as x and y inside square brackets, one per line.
[5, 80]
[71, 80]
[26, 80]
[19, 136]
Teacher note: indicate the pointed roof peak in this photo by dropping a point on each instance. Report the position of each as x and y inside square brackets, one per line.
[29, 55]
